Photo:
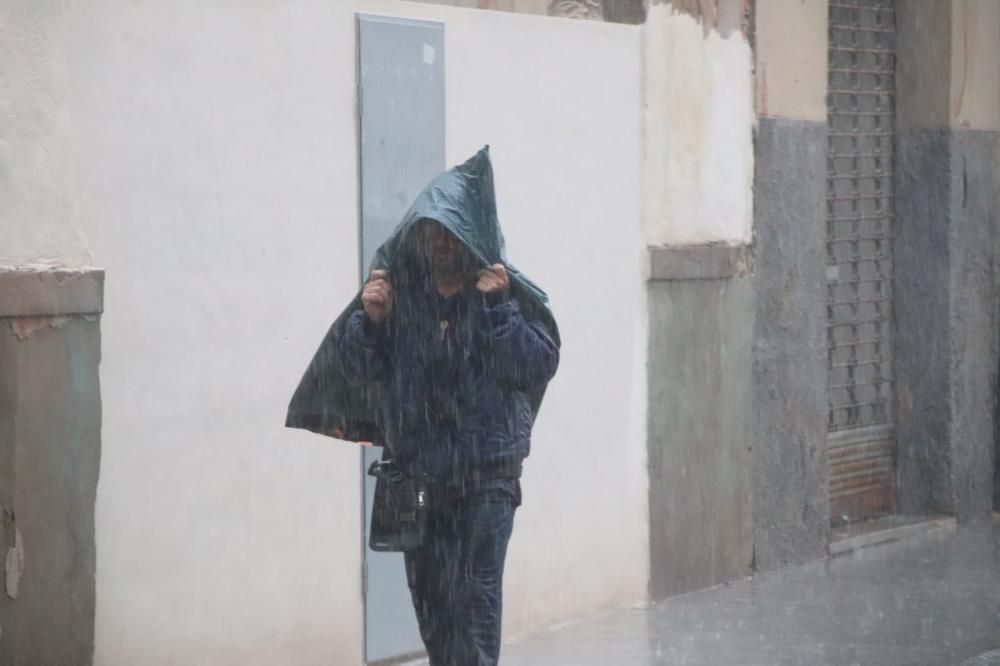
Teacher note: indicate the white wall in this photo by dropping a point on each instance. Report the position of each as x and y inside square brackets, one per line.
[215, 144]
[698, 105]
[37, 215]
[560, 102]
[216, 152]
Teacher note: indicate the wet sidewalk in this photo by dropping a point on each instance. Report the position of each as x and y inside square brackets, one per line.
[931, 600]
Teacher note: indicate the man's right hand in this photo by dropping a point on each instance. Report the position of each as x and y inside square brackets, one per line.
[377, 296]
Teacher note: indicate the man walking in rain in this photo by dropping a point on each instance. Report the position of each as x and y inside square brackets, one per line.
[443, 358]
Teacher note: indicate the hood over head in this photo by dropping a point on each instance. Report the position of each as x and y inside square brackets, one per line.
[462, 200]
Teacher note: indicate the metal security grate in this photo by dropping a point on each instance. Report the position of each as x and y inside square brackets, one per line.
[859, 210]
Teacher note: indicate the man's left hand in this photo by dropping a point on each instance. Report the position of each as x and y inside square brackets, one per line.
[493, 279]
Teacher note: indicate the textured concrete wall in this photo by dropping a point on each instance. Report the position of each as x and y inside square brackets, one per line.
[946, 318]
[946, 252]
[789, 350]
[974, 179]
[701, 530]
[790, 411]
[50, 427]
[922, 264]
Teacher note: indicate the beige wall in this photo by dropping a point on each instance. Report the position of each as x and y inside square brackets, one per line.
[791, 57]
[944, 45]
[948, 72]
[975, 64]
[791, 51]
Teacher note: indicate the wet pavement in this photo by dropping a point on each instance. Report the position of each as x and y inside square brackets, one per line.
[991, 658]
[930, 600]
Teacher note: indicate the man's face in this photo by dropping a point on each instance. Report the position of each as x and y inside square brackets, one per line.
[445, 251]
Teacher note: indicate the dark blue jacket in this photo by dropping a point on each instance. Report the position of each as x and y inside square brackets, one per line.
[451, 403]
[458, 375]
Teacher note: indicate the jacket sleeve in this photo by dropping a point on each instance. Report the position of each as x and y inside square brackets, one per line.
[524, 355]
[363, 348]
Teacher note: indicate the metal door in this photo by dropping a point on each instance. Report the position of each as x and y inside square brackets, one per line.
[861, 105]
[401, 140]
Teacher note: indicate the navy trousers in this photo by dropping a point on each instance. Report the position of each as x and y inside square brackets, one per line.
[456, 576]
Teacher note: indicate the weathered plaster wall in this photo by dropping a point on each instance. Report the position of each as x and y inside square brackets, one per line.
[50, 439]
[37, 207]
[724, 16]
[50, 401]
[697, 198]
[698, 125]
[615, 11]
[522, 6]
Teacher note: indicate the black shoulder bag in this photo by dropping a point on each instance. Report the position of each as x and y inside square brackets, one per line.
[399, 511]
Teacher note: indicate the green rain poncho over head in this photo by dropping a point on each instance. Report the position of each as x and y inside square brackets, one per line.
[463, 200]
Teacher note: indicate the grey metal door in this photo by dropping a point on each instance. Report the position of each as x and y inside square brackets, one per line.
[861, 106]
[401, 128]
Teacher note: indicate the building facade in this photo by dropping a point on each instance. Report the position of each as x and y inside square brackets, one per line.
[768, 230]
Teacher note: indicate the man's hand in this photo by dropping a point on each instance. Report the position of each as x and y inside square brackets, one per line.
[377, 296]
[493, 279]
